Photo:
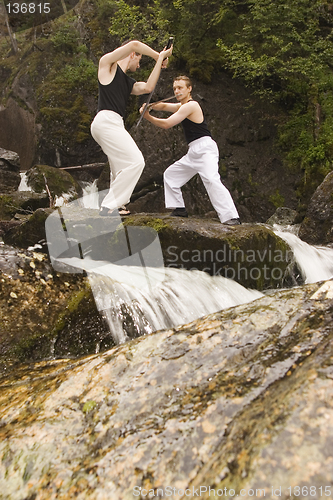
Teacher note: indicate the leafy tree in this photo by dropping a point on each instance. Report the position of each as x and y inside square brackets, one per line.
[284, 49]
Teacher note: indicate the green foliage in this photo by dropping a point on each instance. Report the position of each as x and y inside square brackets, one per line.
[284, 50]
[194, 24]
[133, 22]
[66, 38]
[277, 199]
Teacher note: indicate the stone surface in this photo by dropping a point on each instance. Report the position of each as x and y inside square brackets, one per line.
[44, 313]
[283, 216]
[249, 254]
[21, 202]
[9, 171]
[237, 401]
[317, 226]
[59, 182]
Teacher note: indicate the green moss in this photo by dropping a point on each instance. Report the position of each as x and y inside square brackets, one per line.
[155, 223]
[72, 306]
[58, 181]
[89, 406]
[8, 207]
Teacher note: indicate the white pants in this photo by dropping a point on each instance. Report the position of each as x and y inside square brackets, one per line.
[125, 159]
[202, 158]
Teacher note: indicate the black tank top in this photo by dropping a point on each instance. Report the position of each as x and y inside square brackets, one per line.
[194, 130]
[114, 95]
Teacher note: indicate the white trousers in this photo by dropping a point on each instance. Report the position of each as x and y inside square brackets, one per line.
[202, 158]
[125, 159]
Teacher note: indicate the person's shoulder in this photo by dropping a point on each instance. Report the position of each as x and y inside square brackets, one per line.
[194, 104]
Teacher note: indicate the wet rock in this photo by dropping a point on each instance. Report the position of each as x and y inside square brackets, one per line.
[11, 158]
[317, 226]
[250, 254]
[237, 401]
[29, 232]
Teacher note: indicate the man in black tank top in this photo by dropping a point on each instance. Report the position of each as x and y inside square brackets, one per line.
[115, 87]
[202, 156]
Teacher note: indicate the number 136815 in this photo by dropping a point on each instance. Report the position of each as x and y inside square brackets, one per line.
[28, 8]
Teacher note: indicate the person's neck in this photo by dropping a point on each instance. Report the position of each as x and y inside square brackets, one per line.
[186, 99]
[124, 63]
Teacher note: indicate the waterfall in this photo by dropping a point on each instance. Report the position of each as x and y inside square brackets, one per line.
[172, 297]
[134, 292]
[314, 262]
[90, 194]
[23, 184]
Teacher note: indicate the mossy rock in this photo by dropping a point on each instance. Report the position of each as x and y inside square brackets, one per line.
[58, 181]
[251, 254]
[30, 232]
[317, 226]
[22, 202]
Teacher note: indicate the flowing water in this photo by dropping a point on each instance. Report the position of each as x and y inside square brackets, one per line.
[134, 305]
[314, 262]
[23, 184]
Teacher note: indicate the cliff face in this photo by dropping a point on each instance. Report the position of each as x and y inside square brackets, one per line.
[49, 98]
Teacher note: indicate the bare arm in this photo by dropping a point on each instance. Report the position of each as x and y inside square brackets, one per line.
[148, 86]
[188, 110]
[125, 50]
[170, 107]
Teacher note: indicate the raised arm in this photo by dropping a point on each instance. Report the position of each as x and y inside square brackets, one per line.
[148, 86]
[125, 50]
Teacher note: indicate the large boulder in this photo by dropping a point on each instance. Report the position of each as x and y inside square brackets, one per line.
[30, 232]
[317, 226]
[239, 402]
[250, 254]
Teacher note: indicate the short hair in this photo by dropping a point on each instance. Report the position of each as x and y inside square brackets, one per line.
[185, 78]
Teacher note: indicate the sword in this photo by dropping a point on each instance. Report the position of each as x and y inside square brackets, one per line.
[162, 100]
[170, 42]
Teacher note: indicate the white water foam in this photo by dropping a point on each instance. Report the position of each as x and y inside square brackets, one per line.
[314, 262]
[172, 297]
[23, 184]
[90, 197]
